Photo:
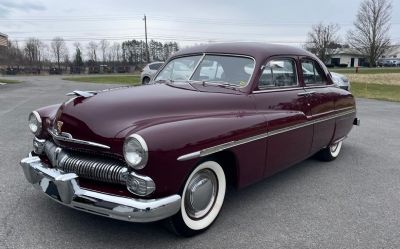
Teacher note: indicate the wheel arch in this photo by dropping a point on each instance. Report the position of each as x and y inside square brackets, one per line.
[228, 161]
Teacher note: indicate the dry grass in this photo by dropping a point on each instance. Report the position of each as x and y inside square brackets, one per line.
[8, 81]
[376, 91]
[108, 79]
[382, 79]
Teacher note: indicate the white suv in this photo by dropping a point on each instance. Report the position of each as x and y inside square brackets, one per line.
[149, 70]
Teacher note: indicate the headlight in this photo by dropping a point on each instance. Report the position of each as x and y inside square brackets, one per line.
[135, 151]
[35, 123]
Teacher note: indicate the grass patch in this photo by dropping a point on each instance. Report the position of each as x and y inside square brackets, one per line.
[366, 70]
[125, 79]
[8, 81]
[376, 91]
[385, 79]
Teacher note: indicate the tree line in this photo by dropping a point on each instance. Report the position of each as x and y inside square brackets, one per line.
[370, 36]
[34, 53]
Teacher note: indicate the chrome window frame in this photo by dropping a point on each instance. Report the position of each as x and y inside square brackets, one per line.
[314, 62]
[269, 88]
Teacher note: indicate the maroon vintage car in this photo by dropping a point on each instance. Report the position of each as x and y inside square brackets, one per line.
[215, 115]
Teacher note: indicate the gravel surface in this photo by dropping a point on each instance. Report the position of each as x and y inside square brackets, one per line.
[352, 202]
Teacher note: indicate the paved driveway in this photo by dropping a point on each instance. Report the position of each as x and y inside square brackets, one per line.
[353, 202]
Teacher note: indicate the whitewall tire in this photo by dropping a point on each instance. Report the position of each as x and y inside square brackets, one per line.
[202, 199]
[331, 152]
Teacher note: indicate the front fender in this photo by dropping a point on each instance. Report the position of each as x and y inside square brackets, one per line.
[169, 140]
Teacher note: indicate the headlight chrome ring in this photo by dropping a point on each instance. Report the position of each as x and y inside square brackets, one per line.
[135, 151]
[35, 123]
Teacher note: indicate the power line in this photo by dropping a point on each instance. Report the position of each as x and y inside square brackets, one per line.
[214, 21]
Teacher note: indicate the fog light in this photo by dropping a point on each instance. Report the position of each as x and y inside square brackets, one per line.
[38, 145]
[140, 185]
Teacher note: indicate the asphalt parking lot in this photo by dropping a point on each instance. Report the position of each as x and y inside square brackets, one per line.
[353, 202]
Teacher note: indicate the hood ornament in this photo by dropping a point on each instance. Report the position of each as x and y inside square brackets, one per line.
[59, 125]
[85, 94]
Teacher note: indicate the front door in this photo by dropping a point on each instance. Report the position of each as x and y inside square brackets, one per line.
[281, 98]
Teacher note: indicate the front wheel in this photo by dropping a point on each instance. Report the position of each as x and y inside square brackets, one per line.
[146, 81]
[202, 199]
[331, 152]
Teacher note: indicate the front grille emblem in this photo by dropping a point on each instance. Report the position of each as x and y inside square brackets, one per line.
[59, 126]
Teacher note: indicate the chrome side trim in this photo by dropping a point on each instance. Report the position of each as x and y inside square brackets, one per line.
[77, 141]
[65, 189]
[189, 156]
[283, 89]
[306, 93]
[221, 147]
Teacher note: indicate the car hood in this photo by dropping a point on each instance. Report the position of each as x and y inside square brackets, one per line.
[111, 115]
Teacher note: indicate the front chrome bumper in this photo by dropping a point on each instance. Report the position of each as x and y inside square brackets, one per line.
[64, 188]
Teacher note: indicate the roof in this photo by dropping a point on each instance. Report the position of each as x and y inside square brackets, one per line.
[4, 35]
[254, 49]
[347, 51]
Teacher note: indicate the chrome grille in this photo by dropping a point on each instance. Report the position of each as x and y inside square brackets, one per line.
[100, 169]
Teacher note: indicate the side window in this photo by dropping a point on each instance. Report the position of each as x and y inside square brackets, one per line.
[278, 73]
[312, 73]
[155, 66]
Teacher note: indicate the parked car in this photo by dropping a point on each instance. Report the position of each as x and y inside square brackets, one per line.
[149, 70]
[388, 62]
[341, 81]
[55, 70]
[168, 150]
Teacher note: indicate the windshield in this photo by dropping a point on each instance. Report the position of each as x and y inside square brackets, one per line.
[223, 69]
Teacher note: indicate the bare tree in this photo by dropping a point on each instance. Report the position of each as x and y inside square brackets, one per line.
[371, 29]
[33, 50]
[104, 44]
[322, 40]
[77, 45]
[115, 52]
[59, 50]
[92, 51]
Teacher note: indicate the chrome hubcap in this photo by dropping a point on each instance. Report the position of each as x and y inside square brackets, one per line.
[200, 194]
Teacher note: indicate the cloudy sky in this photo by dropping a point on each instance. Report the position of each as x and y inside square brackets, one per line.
[188, 22]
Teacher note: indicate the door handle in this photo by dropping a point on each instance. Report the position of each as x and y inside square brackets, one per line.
[306, 93]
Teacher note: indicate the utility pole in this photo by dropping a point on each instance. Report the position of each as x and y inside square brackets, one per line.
[145, 33]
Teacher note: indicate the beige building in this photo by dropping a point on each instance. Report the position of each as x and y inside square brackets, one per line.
[351, 57]
[3, 40]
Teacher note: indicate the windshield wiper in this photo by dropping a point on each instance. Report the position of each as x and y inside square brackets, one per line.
[164, 81]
